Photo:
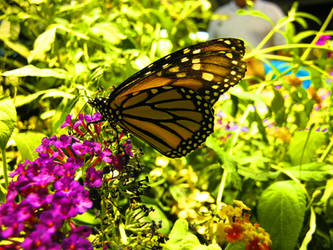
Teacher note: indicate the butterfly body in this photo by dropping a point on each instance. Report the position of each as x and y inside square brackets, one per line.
[169, 104]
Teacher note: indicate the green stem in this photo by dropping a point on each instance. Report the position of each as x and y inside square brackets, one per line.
[5, 171]
[319, 33]
[221, 188]
[103, 214]
[233, 143]
[271, 33]
[258, 53]
[327, 151]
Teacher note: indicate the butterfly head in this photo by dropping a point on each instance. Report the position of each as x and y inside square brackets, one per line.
[102, 106]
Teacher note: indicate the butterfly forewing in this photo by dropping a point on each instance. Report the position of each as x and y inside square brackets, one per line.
[169, 104]
[211, 67]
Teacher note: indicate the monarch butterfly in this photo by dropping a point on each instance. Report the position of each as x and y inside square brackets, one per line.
[169, 103]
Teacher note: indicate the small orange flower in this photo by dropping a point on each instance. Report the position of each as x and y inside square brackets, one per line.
[234, 233]
[256, 244]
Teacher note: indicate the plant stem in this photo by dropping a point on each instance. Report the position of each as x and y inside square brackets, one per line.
[327, 151]
[233, 143]
[5, 171]
[271, 33]
[319, 33]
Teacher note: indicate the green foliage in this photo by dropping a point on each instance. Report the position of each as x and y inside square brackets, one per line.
[303, 146]
[269, 136]
[181, 238]
[7, 121]
[27, 144]
[281, 211]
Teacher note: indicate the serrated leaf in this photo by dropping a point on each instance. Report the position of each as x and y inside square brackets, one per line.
[7, 121]
[315, 171]
[281, 211]
[31, 70]
[27, 144]
[43, 44]
[300, 142]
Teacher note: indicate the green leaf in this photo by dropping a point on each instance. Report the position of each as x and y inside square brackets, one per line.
[7, 121]
[27, 144]
[314, 171]
[228, 162]
[281, 211]
[53, 93]
[9, 30]
[87, 218]
[255, 13]
[309, 16]
[246, 95]
[261, 126]
[209, 247]
[301, 142]
[49, 93]
[235, 246]
[278, 101]
[109, 31]
[43, 44]
[181, 238]
[304, 34]
[31, 70]
[17, 47]
[179, 192]
[63, 110]
[22, 99]
[158, 215]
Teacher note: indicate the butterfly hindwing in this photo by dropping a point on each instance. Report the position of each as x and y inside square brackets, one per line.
[173, 120]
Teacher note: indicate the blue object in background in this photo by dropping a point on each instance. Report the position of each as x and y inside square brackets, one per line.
[283, 66]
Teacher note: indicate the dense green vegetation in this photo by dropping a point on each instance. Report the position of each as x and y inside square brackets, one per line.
[270, 158]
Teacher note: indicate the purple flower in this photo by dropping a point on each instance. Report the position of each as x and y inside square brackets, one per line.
[68, 122]
[48, 192]
[80, 148]
[66, 185]
[322, 39]
[81, 201]
[93, 178]
[39, 198]
[51, 222]
[76, 242]
[40, 239]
